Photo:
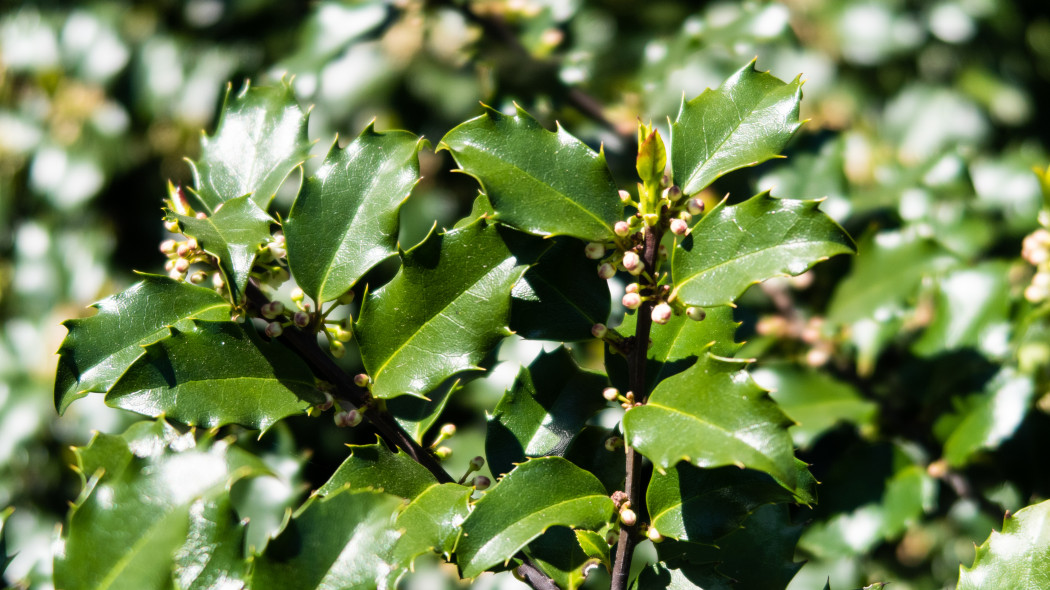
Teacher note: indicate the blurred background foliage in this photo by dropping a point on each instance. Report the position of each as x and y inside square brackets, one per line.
[917, 371]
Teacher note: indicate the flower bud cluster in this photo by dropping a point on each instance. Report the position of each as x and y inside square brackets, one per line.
[1036, 251]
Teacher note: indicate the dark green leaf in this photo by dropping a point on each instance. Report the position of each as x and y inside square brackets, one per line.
[561, 297]
[417, 415]
[446, 308]
[588, 452]
[261, 138]
[5, 559]
[213, 556]
[558, 553]
[535, 496]
[985, 420]
[712, 414]
[734, 247]
[543, 411]
[233, 235]
[345, 220]
[540, 182]
[747, 120]
[910, 494]
[215, 373]
[344, 540]
[1018, 557]
[99, 349]
[375, 466]
[431, 521]
[684, 576]
[972, 309]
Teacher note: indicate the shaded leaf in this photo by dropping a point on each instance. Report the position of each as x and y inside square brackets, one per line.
[98, 349]
[712, 414]
[431, 521]
[736, 246]
[260, 139]
[745, 121]
[1018, 557]
[972, 309]
[417, 415]
[561, 297]
[541, 182]
[910, 494]
[252, 383]
[212, 556]
[345, 219]
[375, 466]
[543, 411]
[983, 421]
[558, 554]
[588, 452]
[684, 576]
[535, 496]
[343, 540]
[446, 308]
[233, 235]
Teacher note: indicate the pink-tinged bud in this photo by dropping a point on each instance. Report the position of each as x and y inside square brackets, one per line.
[347, 419]
[631, 260]
[632, 288]
[274, 329]
[594, 250]
[621, 228]
[696, 313]
[638, 269]
[178, 276]
[654, 535]
[170, 265]
[362, 380]
[695, 206]
[599, 330]
[328, 402]
[347, 298]
[477, 462]
[301, 319]
[632, 301]
[442, 453]
[338, 349]
[673, 193]
[181, 265]
[610, 393]
[606, 271]
[198, 277]
[612, 443]
[482, 483]
[276, 250]
[685, 216]
[625, 197]
[217, 281]
[272, 309]
[628, 517]
[168, 246]
[679, 227]
[183, 249]
[662, 313]
[201, 215]
[448, 430]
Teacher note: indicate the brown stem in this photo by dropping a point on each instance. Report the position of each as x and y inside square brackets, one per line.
[636, 360]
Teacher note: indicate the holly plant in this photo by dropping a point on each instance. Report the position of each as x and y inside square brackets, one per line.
[656, 434]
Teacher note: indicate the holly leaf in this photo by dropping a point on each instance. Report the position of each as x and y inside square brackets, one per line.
[535, 496]
[431, 521]
[376, 467]
[346, 218]
[233, 235]
[682, 576]
[972, 309]
[184, 377]
[701, 505]
[343, 540]
[98, 349]
[212, 556]
[139, 512]
[260, 139]
[736, 246]
[417, 415]
[543, 411]
[985, 420]
[710, 415]
[1018, 557]
[541, 182]
[561, 297]
[745, 121]
[676, 345]
[441, 314]
[559, 554]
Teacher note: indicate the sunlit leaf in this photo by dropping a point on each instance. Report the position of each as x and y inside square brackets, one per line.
[558, 554]
[431, 521]
[375, 466]
[1017, 557]
[983, 421]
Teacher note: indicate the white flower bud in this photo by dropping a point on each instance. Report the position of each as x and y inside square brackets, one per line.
[172, 226]
[679, 227]
[606, 271]
[169, 265]
[297, 294]
[301, 319]
[662, 313]
[183, 249]
[448, 430]
[628, 517]
[181, 265]
[274, 329]
[347, 419]
[362, 380]
[272, 309]
[178, 275]
[695, 206]
[625, 197]
[201, 215]
[632, 301]
[168, 246]
[632, 288]
[482, 483]
[217, 281]
[442, 453]
[337, 349]
[198, 277]
[654, 535]
[631, 260]
[594, 250]
[696, 313]
[599, 330]
[685, 216]
[611, 393]
[621, 228]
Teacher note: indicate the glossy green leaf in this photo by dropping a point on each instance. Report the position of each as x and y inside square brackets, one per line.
[346, 218]
[712, 414]
[343, 540]
[98, 349]
[815, 401]
[561, 297]
[540, 182]
[143, 490]
[736, 246]
[910, 494]
[375, 466]
[251, 382]
[543, 411]
[701, 505]
[416, 415]
[213, 556]
[1017, 557]
[535, 496]
[431, 521]
[676, 344]
[233, 235]
[260, 139]
[972, 309]
[746, 121]
[5, 559]
[588, 452]
[983, 421]
[558, 554]
[446, 308]
[683, 576]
